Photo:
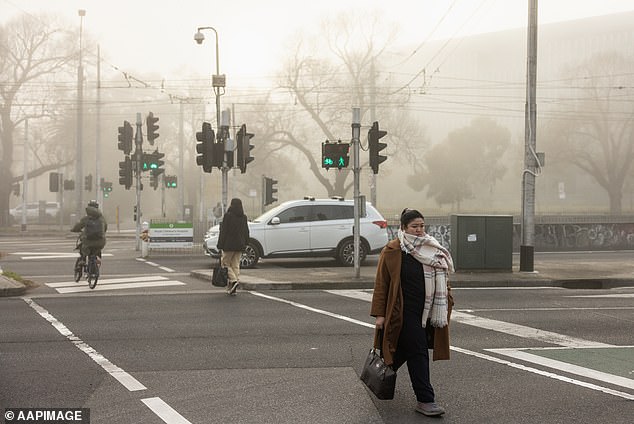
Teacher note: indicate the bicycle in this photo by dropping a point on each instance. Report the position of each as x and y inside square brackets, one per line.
[88, 268]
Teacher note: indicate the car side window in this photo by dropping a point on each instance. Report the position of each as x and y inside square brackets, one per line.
[330, 212]
[295, 214]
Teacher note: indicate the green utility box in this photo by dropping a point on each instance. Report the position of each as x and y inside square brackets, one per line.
[482, 242]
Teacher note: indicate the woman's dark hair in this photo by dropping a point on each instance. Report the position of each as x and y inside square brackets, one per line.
[408, 215]
[236, 206]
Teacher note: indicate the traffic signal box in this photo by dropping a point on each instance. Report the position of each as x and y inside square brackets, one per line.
[269, 190]
[88, 182]
[374, 135]
[170, 181]
[205, 147]
[335, 155]
[244, 148]
[125, 138]
[152, 128]
[125, 173]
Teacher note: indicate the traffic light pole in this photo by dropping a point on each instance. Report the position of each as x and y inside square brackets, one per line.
[223, 134]
[138, 154]
[356, 129]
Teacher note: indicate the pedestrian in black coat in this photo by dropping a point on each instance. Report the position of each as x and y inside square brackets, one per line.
[232, 240]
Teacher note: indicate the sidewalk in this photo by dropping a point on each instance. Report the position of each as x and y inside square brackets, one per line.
[581, 274]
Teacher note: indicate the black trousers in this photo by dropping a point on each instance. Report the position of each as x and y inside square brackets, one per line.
[412, 348]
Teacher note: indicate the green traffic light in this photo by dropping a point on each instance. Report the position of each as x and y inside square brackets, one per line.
[328, 162]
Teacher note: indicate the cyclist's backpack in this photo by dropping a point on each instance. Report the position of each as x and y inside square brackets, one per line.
[93, 229]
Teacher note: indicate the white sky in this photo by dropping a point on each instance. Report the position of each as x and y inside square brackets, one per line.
[156, 37]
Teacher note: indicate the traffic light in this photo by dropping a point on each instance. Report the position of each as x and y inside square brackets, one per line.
[106, 187]
[69, 185]
[125, 138]
[152, 161]
[152, 127]
[269, 190]
[205, 147]
[170, 181]
[154, 177]
[374, 134]
[125, 173]
[88, 182]
[335, 155]
[244, 148]
[157, 165]
[218, 154]
[53, 182]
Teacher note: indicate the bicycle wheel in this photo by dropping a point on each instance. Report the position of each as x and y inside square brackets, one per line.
[79, 267]
[93, 272]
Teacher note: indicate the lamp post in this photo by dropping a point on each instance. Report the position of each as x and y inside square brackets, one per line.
[218, 83]
[79, 175]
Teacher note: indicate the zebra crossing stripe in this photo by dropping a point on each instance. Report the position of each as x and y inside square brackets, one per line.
[120, 286]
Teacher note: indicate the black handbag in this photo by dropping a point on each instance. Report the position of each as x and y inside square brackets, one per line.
[378, 377]
[220, 275]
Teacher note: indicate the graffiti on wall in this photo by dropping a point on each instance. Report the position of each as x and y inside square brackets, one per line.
[555, 237]
[442, 233]
[584, 236]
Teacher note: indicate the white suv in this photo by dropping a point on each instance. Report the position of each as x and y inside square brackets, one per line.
[309, 228]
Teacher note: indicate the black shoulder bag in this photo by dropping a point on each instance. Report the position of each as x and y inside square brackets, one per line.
[380, 378]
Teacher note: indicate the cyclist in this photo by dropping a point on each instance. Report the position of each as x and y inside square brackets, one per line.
[93, 229]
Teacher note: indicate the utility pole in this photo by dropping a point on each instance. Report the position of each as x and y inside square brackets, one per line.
[25, 170]
[356, 168]
[181, 154]
[531, 162]
[79, 175]
[98, 192]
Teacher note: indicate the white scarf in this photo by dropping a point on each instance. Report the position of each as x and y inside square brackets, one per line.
[437, 264]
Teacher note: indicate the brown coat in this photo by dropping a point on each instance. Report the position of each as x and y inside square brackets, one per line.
[387, 301]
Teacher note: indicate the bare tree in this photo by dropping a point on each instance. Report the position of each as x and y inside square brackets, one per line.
[324, 83]
[32, 55]
[596, 133]
[466, 162]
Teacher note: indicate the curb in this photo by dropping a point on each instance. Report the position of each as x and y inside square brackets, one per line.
[9, 287]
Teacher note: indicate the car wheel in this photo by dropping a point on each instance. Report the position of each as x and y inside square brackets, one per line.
[345, 253]
[250, 256]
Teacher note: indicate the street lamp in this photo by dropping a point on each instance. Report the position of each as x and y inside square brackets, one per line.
[218, 83]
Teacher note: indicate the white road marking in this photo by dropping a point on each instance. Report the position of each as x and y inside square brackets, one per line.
[545, 373]
[109, 281]
[566, 367]
[65, 287]
[490, 324]
[526, 332]
[49, 255]
[614, 296]
[129, 382]
[310, 308]
[164, 411]
[120, 286]
[164, 268]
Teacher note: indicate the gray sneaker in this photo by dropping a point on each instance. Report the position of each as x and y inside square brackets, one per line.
[431, 409]
[234, 288]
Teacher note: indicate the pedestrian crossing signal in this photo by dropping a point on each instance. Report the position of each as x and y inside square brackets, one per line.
[335, 155]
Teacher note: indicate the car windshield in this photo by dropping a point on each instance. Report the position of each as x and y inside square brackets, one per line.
[270, 214]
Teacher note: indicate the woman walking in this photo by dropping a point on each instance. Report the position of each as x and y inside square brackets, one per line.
[412, 304]
[232, 240]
